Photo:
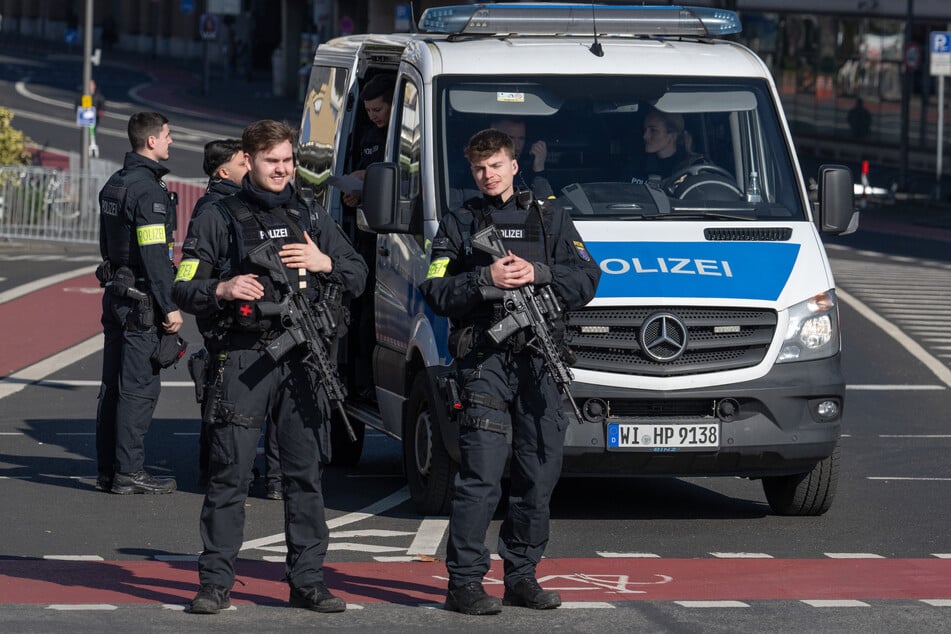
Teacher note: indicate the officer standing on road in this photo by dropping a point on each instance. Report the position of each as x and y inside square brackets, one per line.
[136, 221]
[218, 283]
[506, 390]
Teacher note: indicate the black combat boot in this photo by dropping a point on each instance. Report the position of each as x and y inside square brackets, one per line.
[317, 598]
[141, 482]
[275, 490]
[471, 599]
[211, 599]
[527, 593]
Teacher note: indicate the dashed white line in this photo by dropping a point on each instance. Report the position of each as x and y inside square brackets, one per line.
[712, 604]
[428, 537]
[73, 557]
[742, 555]
[81, 607]
[836, 603]
[938, 603]
[908, 478]
[611, 555]
[591, 605]
[894, 388]
[853, 556]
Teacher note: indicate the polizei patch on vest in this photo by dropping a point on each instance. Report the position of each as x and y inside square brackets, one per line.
[582, 251]
[520, 233]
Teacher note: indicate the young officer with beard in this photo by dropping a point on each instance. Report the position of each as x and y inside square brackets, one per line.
[506, 387]
[220, 286]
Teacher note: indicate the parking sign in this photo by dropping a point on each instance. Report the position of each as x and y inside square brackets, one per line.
[940, 53]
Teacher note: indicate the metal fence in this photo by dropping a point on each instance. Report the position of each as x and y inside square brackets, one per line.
[49, 204]
[45, 203]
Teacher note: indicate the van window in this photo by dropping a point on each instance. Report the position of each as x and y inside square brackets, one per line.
[323, 109]
[630, 147]
[409, 147]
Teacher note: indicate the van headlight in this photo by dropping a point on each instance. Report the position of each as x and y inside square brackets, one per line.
[813, 331]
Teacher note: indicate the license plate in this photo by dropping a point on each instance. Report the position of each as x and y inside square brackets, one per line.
[664, 437]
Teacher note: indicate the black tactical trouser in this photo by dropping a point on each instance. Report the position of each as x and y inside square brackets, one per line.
[515, 392]
[254, 388]
[130, 388]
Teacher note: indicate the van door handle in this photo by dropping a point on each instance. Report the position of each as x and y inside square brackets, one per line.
[383, 251]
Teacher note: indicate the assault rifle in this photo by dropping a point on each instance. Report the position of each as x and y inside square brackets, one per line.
[303, 326]
[527, 307]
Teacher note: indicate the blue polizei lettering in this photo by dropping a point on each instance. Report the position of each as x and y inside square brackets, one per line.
[740, 270]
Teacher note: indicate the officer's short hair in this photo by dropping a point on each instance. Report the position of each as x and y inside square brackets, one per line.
[485, 143]
[219, 152]
[142, 125]
[265, 134]
[379, 86]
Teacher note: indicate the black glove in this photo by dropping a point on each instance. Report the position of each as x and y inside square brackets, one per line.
[171, 348]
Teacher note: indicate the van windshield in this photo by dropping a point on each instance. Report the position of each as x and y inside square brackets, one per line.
[626, 148]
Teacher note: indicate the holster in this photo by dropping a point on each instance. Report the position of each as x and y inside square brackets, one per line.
[198, 370]
[213, 389]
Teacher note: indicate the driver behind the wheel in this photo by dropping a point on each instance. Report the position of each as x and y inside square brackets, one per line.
[667, 146]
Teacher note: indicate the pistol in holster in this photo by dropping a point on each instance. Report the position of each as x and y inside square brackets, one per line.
[198, 370]
[213, 388]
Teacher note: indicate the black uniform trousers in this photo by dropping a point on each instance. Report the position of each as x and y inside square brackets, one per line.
[130, 388]
[255, 388]
[537, 439]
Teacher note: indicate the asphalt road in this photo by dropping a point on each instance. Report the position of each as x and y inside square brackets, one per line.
[642, 552]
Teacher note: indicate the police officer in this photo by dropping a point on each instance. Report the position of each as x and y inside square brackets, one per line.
[136, 221]
[218, 283]
[225, 164]
[506, 389]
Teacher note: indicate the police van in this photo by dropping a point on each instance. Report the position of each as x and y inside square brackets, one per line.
[712, 347]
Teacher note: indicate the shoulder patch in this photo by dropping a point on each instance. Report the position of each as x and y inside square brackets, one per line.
[582, 251]
[158, 208]
[189, 244]
[441, 243]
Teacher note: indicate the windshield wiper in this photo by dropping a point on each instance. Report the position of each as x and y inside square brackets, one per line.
[702, 215]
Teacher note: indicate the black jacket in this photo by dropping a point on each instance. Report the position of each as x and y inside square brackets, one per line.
[571, 270]
[210, 254]
[217, 189]
[132, 236]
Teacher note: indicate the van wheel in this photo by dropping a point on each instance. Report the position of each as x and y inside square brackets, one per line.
[429, 468]
[345, 452]
[808, 493]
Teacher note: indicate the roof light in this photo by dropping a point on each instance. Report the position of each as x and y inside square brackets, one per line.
[579, 19]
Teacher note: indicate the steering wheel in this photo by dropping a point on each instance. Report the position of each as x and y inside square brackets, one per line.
[694, 170]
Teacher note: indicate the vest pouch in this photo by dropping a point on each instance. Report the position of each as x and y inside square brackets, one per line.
[461, 341]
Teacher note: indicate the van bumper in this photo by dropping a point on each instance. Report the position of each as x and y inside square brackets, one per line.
[776, 430]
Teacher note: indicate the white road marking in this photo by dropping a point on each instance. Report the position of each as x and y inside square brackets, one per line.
[853, 556]
[914, 435]
[81, 607]
[42, 283]
[92, 383]
[428, 537]
[835, 603]
[371, 532]
[394, 499]
[941, 555]
[742, 555]
[589, 605]
[939, 369]
[938, 603]
[363, 548]
[712, 604]
[73, 557]
[27, 376]
[611, 555]
[910, 479]
[894, 388]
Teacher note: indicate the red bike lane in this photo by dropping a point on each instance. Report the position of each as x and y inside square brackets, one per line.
[49, 320]
[578, 580]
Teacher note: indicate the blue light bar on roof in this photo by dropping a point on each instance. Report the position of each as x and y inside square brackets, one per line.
[579, 19]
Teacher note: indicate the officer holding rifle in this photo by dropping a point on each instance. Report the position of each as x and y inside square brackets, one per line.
[256, 269]
[511, 389]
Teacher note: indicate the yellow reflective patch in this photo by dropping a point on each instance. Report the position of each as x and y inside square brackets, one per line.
[437, 268]
[150, 234]
[187, 270]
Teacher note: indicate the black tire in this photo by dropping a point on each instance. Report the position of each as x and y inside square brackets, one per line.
[808, 493]
[429, 468]
[345, 452]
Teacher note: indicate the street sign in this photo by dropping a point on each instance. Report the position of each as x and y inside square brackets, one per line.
[85, 117]
[208, 26]
[940, 53]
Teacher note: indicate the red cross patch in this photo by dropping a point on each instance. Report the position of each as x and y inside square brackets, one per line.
[246, 310]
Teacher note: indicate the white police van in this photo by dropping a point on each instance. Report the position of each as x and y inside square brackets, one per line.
[712, 346]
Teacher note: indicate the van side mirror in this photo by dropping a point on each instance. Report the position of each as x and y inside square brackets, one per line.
[835, 212]
[381, 203]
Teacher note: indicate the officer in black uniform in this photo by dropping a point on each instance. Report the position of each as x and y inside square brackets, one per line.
[506, 389]
[225, 163]
[218, 283]
[136, 222]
